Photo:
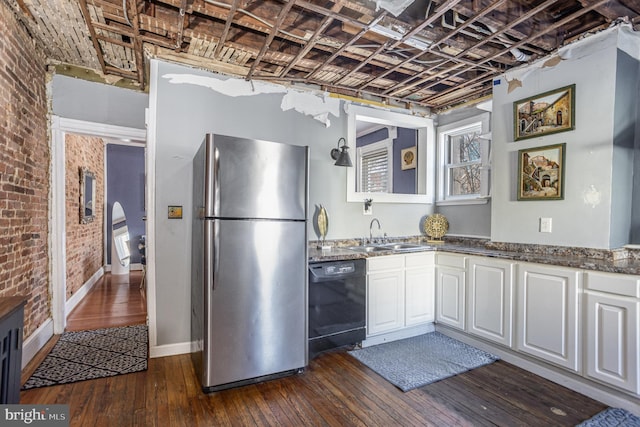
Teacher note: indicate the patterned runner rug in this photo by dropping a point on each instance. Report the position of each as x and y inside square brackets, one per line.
[425, 359]
[612, 417]
[87, 355]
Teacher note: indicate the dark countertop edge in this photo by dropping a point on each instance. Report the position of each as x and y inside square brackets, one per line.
[624, 266]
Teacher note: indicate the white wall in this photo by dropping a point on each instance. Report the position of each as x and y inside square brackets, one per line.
[183, 114]
[591, 65]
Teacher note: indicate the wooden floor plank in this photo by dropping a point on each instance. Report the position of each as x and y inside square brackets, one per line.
[113, 301]
[335, 390]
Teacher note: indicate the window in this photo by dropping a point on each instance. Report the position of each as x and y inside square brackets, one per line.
[375, 167]
[463, 162]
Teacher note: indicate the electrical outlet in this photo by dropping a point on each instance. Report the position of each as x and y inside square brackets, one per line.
[545, 225]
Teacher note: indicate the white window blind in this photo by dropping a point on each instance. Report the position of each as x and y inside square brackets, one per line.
[375, 167]
[375, 171]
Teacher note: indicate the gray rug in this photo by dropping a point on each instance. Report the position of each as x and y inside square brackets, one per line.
[88, 355]
[612, 417]
[422, 360]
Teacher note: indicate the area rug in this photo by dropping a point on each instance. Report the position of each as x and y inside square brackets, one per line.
[612, 417]
[425, 359]
[87, 355]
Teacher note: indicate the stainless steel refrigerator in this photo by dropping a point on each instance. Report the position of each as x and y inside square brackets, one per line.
[249, 261]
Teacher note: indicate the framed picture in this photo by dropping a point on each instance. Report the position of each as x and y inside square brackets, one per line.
[409, 157]
[541, 173]
[544, 114]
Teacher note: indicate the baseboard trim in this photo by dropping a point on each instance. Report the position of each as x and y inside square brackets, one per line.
[575, 382]
[32, 345]
[399, 335]
[83, 291]
[170, 349]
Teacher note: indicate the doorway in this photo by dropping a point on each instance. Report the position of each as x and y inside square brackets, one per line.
[60, 129]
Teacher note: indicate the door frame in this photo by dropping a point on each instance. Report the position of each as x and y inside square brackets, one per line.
[61, 126]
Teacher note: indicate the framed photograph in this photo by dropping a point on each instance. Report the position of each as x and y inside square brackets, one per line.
[409, 157]
[541, 173]
[544, 114]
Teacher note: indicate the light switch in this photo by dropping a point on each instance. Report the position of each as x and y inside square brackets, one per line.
[545, 225]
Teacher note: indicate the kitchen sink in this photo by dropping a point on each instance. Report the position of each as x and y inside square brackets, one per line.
[393, 247]
[402, 247]
[368, 248]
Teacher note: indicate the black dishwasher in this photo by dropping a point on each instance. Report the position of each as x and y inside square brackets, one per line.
[337, 304]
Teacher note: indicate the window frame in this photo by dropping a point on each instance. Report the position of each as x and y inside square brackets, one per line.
[480, 122]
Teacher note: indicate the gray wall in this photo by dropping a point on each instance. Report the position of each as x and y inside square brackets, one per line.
[627, 143]
[183, 114]
[100, 103]
[591, 66]
[472, 220]
[624, 128]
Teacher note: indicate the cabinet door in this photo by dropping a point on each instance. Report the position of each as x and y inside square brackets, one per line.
[490, 299]
[385, 295]
[450, 296]
[612, 340]
[548, 313]
[419, 295]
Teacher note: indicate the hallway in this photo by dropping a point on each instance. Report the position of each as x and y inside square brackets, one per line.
[113, 301]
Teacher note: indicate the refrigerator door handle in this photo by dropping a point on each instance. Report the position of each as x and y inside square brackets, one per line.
[211, 253]
[212, 181]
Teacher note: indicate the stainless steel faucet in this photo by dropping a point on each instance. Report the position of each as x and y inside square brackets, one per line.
[371, 229]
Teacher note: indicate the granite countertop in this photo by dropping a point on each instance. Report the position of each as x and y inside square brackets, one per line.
[616, 261]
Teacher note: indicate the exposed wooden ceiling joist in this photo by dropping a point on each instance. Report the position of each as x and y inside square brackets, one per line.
[436, 53]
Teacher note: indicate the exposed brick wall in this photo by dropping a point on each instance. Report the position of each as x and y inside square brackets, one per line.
[84, 242]
[24, 171]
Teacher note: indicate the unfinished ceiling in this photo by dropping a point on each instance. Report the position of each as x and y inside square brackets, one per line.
[434, 54]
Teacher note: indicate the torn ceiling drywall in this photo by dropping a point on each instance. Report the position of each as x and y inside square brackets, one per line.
[629, 40]
[228, 87]
[316, 105]
[395, 7]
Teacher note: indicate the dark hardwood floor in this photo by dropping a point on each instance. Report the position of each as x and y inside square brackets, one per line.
[113, 301]
[334, 390]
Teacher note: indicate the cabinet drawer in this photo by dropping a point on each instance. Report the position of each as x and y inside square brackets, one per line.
[451, 260]
[620, 284]
[424, 259]
[391, 262]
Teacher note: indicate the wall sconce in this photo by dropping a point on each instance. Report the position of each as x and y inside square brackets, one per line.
[341, 155]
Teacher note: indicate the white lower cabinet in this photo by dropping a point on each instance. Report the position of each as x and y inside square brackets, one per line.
[419, 280]
[612, 331]
[547, 313]
[450, 290]
[385, 294]
[490, 299]
[400, 292]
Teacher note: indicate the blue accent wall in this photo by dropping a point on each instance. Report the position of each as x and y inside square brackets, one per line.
[125, 184]
[404, 182]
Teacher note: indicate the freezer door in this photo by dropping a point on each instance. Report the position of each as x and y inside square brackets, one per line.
[256, 299]
[254, 179]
